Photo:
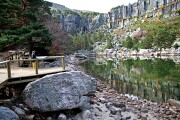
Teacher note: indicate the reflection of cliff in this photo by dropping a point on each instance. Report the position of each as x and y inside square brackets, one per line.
[155, 80]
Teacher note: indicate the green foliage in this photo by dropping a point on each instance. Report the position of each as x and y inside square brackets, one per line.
[89, 14]
[157, 67]
[160, 34]
[109, 44]
[147, 43]
[53, 11]
[176, 46]
[20, 22]
[86, 41]
[82, 42]
[24, 36]
[128, 43]
[66, 12]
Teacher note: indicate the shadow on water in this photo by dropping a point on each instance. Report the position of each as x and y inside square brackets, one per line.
[155, 79]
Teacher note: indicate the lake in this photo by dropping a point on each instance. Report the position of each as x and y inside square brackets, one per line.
[154, 79]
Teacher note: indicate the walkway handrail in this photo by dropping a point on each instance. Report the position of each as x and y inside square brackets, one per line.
[7, 63]
[11, 55]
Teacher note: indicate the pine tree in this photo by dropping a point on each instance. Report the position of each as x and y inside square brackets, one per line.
[21, 22]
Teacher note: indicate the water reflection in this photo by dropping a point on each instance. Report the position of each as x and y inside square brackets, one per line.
[154, 79]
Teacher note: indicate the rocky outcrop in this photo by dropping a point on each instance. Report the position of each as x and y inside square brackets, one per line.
[118, 16]
[7, 114]
[97, 21]
[143, 9]
[138, 33]
[60, 91]
[59, 7]
[174, 103]
[71, 22]
[74, 23]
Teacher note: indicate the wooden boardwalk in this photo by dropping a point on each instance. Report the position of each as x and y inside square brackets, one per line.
[26, 72]
[14, 75]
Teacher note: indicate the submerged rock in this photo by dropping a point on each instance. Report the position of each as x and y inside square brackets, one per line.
[7, 114]
[60, 91]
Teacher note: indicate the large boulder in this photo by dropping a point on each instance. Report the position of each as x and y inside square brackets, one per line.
[60, 91]
[7, 114]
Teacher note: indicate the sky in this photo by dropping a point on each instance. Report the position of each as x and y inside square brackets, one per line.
[102, 6]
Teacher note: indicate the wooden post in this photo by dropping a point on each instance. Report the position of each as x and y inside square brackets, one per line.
[18, 62]
[63, 63]
[16, 55]
[36, 66]
[8, 69]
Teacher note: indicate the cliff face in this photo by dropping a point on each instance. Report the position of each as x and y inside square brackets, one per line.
[73, 22]
[143, 9]
[119, 16]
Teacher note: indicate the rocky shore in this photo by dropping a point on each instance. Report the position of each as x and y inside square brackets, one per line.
[100, 102]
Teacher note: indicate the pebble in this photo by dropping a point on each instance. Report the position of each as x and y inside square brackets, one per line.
[156, 110]
[97, 114]
[99, 109]
[143, 118]
[49, 118]
[138, 116]
[102, 100]
[29, 117]
[108, 105]
[128, 117]
[62, 117]
[26, 110]
[118, 104]
[168, 112]
[115, 111]
[21, 106]
[19, 111]
[178, 116]
[144, 110]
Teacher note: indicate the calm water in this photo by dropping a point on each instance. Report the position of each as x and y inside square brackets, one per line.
[155, 79]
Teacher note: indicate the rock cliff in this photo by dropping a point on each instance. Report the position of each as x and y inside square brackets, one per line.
[119, 16]
[143, 9]
[75, 22]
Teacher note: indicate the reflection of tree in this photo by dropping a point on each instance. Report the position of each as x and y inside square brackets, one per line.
[128, 63]
[100, 71]
[155, 82]
[162, 67]
[157, 67]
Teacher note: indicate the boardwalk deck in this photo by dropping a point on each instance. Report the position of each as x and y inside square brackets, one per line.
[10, 72]
[26, 72]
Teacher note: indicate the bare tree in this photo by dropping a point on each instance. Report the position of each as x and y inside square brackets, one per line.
[61, 40]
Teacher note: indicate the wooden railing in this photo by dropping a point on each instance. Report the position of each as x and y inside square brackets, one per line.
[13, 55]
[7, 63]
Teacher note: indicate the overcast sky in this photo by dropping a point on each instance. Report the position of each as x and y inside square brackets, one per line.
[102, 6]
